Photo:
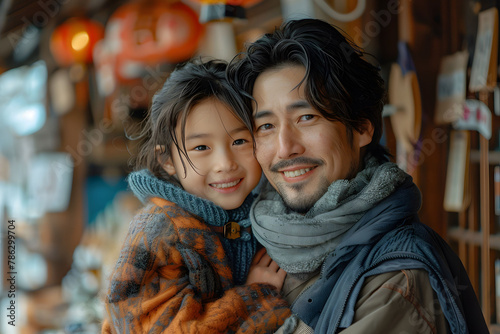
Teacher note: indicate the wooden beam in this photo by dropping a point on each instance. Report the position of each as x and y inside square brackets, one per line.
[484, 176]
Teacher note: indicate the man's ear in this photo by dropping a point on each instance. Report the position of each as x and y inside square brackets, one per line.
[365, 134]
[167, 164]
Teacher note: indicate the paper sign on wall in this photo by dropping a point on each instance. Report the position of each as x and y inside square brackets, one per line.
[484, 64]
[455, 193]
[477, 117]
[451, 88]
[49, 185]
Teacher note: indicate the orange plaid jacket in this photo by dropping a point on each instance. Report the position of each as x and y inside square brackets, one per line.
[173, 276]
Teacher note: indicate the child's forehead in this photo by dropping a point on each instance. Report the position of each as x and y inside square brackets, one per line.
[213, 115]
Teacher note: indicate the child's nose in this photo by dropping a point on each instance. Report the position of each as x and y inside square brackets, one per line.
[225, 161]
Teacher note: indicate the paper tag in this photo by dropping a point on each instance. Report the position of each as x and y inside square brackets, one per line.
[451, 88]
[457, 171]
[476, 116]
[484, 64]
[49, 182]
[451, 85]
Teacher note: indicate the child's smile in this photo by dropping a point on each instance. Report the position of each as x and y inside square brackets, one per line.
[226, 186]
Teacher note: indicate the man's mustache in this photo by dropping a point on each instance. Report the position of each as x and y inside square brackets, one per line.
[295, 161]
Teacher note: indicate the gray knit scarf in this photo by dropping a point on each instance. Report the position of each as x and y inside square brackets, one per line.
[300, 243]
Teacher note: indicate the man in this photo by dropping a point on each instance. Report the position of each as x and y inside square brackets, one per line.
[336, 215]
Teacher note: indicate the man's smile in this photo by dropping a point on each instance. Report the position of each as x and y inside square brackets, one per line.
[297, 174]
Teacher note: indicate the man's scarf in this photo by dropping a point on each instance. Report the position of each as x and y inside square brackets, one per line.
[300, 243]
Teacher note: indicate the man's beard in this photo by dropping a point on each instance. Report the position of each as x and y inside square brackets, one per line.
[302, 204]
[298, 205]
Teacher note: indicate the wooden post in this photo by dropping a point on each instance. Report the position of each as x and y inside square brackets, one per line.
[484, 175]
[462, 246]
[473, 223]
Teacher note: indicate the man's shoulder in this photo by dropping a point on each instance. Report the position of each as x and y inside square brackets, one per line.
[404, 295]
[407, 238]
[404, 282]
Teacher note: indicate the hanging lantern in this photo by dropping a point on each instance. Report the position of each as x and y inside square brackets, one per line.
[73, 41]
[151, 32]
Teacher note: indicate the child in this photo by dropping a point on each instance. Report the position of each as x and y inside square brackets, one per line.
[188, 252]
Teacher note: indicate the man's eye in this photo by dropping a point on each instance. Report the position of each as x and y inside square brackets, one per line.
[201, 148]
[264, 127]
[306, 117]
[240, 141]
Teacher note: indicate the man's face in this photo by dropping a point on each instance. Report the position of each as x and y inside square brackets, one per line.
[300, 151]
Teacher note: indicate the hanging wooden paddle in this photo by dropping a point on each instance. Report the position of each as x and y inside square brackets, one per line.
[404, 94]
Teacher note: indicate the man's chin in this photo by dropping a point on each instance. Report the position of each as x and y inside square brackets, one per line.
[298, 204]
[301, 209]
[299, 199]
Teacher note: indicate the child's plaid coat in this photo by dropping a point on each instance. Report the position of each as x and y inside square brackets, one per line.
[173, 276]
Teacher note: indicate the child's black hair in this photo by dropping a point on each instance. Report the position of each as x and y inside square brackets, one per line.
[188, 85]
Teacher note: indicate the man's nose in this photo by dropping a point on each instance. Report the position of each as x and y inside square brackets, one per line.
[290, 143]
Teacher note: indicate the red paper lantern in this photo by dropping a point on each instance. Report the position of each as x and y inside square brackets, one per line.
[154, 32]
[73, 41]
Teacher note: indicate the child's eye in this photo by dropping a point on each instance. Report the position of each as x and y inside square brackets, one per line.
[201, 148]
[266, 126]
[240, 141]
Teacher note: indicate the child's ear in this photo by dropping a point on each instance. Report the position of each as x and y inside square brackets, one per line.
[167, 164]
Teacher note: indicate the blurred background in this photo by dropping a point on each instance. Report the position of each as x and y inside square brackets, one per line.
[77, 78]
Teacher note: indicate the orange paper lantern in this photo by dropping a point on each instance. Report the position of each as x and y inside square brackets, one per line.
[73, 41]
[154, 32]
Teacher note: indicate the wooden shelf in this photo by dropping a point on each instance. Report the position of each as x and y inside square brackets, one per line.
[493, 157]
[460, 234]
[473, 237]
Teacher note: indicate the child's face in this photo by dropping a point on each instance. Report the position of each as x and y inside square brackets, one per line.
[221, 149]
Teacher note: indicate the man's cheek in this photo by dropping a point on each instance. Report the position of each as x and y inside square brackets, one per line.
[259, 151]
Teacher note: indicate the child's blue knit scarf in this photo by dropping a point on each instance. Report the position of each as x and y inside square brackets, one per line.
[239, 251]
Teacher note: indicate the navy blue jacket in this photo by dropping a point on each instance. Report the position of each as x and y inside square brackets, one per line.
[389, 237]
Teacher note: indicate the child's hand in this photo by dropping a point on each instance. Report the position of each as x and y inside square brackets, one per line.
[264, 270]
